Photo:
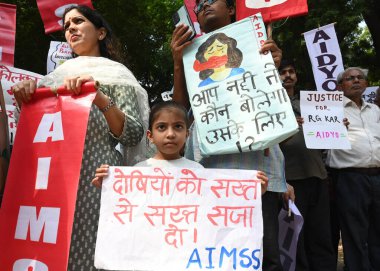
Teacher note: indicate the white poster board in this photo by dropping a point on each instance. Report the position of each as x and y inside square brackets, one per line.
[58, 53]
[369, 94]
[10, 76]
[323, 115]
[170, 219]
[325, 56]
[235, 92]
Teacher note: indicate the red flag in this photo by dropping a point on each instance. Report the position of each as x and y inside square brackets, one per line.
[7, 33]
[37, 212]
[52, 11]
[271, 10]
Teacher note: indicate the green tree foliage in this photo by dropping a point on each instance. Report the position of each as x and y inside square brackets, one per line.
[144, 28]
[356, 46]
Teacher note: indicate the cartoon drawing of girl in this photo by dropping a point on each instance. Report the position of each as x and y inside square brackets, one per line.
[217, 58]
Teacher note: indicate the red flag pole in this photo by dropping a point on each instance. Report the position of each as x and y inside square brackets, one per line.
[45, 92]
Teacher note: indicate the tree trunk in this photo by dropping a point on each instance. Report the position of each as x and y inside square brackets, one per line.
[372, 19]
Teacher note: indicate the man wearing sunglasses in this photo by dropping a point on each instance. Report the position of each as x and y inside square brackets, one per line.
[357, 175]
[212, 15]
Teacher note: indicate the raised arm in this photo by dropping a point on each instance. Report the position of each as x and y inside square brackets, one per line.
[270, 45]
[179, 42]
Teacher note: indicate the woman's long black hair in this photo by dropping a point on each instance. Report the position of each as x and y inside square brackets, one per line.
[109, 46]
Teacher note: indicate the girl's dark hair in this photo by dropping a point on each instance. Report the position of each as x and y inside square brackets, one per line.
[157, 108]
[109, 46]
[235, 56]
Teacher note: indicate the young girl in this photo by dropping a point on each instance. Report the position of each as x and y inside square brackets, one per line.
[168, 131]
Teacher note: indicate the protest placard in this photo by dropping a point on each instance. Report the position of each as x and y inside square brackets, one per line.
[58, 53]
[272, 10]
[52, 11]
[290, 225]
[37, 212]
[4, 144]
[323, 115]
[170, 219]
[325, 56]
[235, 92]
[369, 94]
[7, 33]
[10, 76]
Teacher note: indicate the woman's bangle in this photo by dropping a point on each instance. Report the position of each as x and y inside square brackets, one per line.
[108, 106]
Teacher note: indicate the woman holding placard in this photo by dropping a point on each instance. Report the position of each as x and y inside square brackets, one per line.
[118, 115]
